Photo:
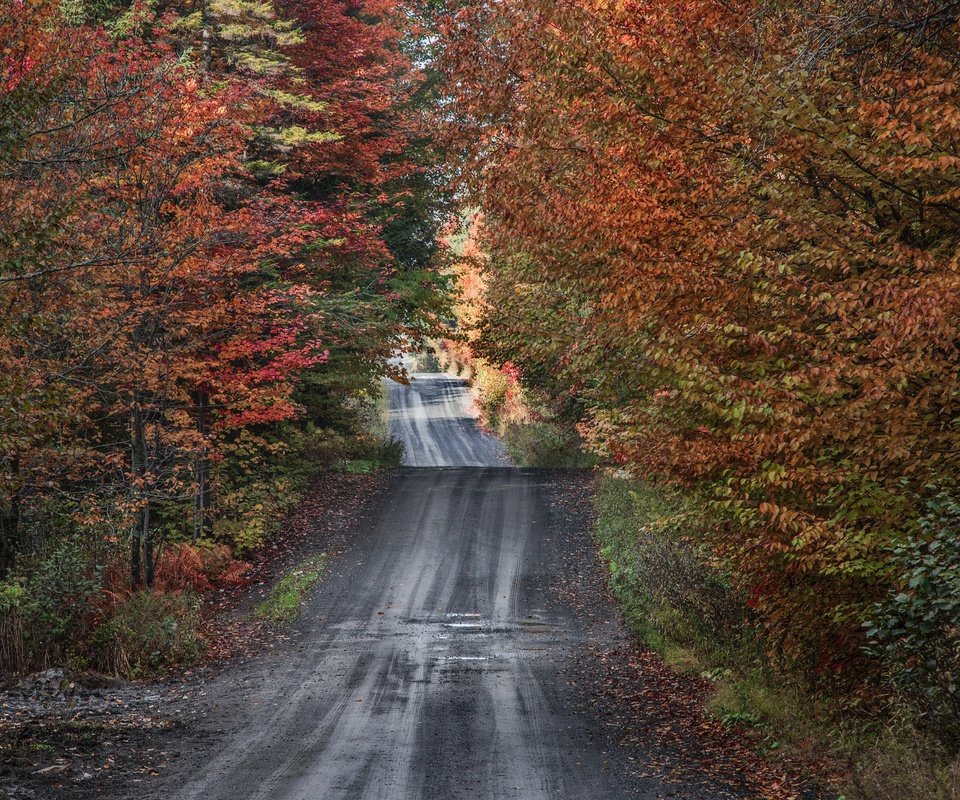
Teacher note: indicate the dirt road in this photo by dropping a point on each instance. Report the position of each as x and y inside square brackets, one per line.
[432, 418]
[442, 655]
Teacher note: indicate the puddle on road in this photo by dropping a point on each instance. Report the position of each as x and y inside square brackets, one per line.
[469, 658]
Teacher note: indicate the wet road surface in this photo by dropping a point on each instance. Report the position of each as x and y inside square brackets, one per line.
[438, 658]
[432, 418]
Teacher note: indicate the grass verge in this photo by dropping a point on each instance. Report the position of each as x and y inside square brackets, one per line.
[676, 598]
[285, 599]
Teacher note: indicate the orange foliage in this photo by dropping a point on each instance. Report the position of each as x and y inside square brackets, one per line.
[754, 211]
[186, 567]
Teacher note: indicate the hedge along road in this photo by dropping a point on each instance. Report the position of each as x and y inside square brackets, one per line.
[439, 659]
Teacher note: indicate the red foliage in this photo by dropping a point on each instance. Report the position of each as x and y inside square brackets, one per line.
[159, 292]
[185, 567]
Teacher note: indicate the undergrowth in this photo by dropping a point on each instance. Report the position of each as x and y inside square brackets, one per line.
[148, 634]
[543, 444]
[69, 601]
[675, 597]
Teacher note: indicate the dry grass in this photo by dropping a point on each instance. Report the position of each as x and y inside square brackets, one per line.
[904, 764]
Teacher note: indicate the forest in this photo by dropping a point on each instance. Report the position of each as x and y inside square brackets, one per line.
[708, 250]
[219, 220]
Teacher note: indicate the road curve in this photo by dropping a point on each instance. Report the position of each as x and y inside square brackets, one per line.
[441, 656]
[432, 418]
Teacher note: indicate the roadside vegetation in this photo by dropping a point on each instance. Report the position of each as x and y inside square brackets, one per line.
[536, 430]
[529, 433]
[287, 596]
[679, 598]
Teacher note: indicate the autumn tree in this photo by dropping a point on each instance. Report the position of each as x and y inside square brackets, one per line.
[195, 198]
[751, 209]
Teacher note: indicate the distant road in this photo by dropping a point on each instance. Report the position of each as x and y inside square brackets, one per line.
[432, 418]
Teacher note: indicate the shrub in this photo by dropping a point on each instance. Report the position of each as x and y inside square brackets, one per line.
[59, 591]
[180, 568]
[492, 387]
[672, 592]
[197, 567]
[148, 634]
[44, 616]
[13, 647]
[545, 444]
[916, 630]
[683, 586]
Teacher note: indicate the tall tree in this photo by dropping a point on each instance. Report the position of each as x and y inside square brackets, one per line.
[752, 207]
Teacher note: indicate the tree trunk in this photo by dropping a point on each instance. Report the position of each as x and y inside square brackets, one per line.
[201, 469]
[138, 461]
[9, 536]
[206, 48]
[147, 537]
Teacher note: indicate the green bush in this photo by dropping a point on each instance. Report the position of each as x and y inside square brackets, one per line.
[491, 386]
[370, 453]
[44, 616]
[148, 634]
[544, 444]
[59, 593]
[14, 656]
[916, 630]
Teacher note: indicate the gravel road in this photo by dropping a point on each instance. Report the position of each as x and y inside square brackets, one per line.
[442, 656]
[432, 418]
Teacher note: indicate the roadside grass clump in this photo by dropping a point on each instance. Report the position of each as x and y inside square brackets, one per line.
[371, 455]
[146, 634]
[676, 597]
[902, 762]
[286, 598]
[541, 443]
